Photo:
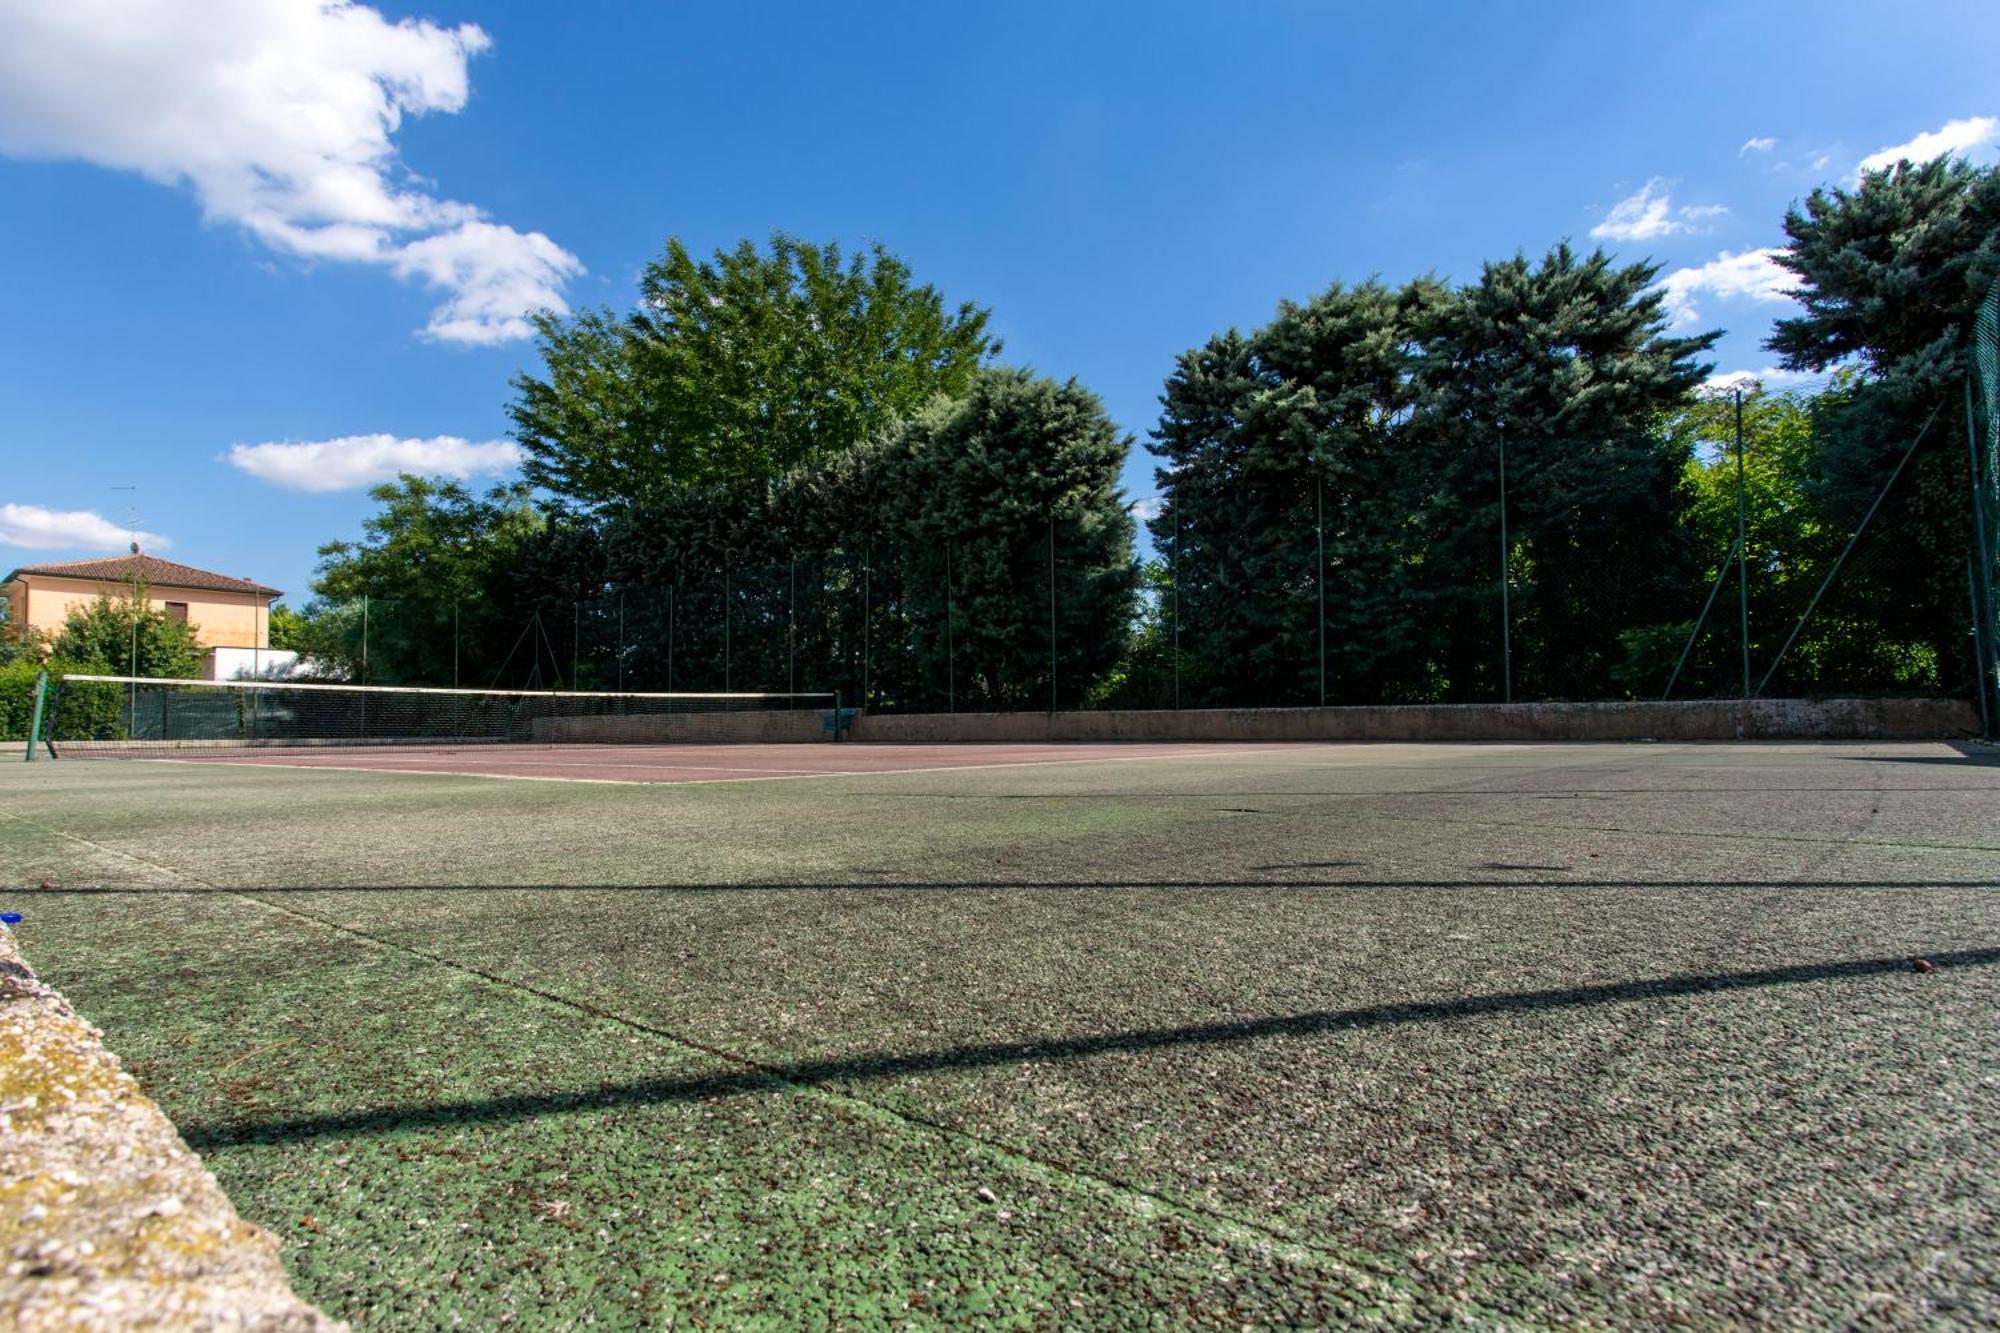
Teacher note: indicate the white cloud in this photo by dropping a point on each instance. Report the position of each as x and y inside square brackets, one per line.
[68, 530]
[1148, 508]
[1753, 275]
[1650, 213]
[1961, 138]
[1760, 144]
[1772, 378]
[363, 460]
[280, 116]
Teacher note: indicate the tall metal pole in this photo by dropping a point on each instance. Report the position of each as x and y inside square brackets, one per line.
[670, 637]
[1978, 652]
[575, 639]
[1742, 553]
[1176, 576]
[1319, 531]
[1052, 609]
[454, 643]
[364, 638]
[1982, 564]
[950, 652]
[867, 616]
[621, 640]
[725, 622]
[792, 629]
[1506, 614]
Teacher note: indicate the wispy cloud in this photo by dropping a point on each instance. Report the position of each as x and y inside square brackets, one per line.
[280, 116]
[1752, 275]
[1974, 136]
[1760, 144]
[363, 460]
[42, 529]
[1774, 378]
[1650, 213]
[1147, 508]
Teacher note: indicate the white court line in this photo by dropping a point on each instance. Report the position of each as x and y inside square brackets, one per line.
[706, 782]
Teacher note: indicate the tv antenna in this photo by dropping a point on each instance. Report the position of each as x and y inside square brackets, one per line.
[131, 514]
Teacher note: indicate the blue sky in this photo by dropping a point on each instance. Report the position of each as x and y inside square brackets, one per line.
[314, 228]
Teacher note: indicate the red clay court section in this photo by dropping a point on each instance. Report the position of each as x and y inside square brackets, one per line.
[698, 763]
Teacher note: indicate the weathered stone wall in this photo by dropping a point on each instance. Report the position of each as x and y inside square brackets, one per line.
[751, 725]
[107, 1220]
[1697, 720]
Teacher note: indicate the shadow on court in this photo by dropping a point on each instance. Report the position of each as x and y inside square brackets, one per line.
[1003, 886]
[761, 1078]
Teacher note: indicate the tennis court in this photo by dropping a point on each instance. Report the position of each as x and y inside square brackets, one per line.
[1113, 1035]
[694, 763]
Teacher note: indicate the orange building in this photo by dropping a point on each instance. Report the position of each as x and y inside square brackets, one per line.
[225, 613]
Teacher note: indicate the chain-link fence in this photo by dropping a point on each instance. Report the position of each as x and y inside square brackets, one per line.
[1766, 571]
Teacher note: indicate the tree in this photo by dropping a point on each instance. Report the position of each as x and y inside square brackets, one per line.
[836, 576]
[741, 367]
[1011, 494]
[1890, 275]
[128, 636]
[442, 573]
[1564, 364]
[1349, 450]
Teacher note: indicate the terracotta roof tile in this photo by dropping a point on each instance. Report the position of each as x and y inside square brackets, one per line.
[148, 569]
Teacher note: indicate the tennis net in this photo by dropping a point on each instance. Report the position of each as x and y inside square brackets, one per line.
[93, 716]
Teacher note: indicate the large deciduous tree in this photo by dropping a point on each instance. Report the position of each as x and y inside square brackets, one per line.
[742, 366]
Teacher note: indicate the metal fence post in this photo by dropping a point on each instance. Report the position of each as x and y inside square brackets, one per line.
[1319, 580]
[1742, 553]
[1978, 651]
[1506, 615]
[1175, 576]
[950, 653]
[1052, 608]
[1982, 587]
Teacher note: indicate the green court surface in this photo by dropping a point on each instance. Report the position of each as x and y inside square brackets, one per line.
[1613, 1034]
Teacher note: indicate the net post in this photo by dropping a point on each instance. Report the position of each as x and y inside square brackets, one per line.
[836, 715]
[35, 719]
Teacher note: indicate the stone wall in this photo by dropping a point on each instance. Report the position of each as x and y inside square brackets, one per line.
[107, 1219]
[1695, 720]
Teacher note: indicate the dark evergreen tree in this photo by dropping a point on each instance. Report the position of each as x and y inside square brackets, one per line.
[1890, 275]
[1364, 429]
[1565, 365]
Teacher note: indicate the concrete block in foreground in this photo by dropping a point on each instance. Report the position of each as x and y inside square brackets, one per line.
[107, 1219]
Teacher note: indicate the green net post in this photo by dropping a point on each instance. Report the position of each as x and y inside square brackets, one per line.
[35, 717]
